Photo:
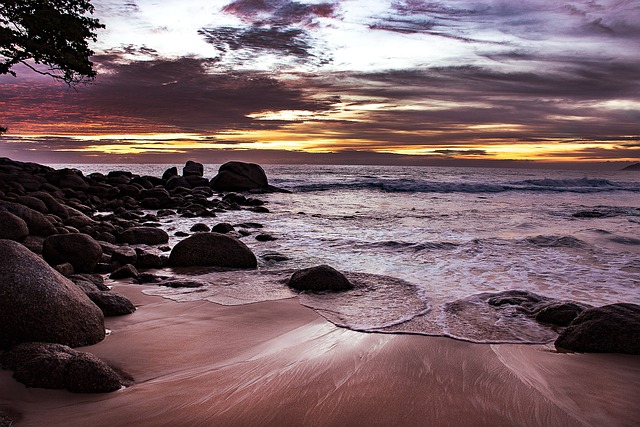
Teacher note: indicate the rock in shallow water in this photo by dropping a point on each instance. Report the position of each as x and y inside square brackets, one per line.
[144, 235]
[212, 249]
[39, 304]
[320, 278]
[612, 328]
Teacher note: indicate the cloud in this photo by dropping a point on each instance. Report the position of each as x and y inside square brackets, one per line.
[280, 12]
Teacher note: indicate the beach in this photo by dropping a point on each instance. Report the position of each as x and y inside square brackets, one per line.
[279, 363]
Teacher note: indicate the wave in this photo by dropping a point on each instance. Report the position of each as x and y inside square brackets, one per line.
[399, 245]
[404, 185]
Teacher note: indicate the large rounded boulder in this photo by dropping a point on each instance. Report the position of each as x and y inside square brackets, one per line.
[144, 235]
[57, 366]
[39, 304]
[78, 249]
[240, 176]
[319, 278]
[612, 328]
[212, 249]
[12, 227]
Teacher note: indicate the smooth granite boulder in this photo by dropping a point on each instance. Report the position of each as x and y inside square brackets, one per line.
[240, 176]
[613, 328]
[12, 227]
[56, 366]
[78, 249]
[37, 222]
[143, 235]
[38, 304]
[212, 249]
[319, 278]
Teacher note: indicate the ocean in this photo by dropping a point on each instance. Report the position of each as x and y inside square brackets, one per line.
[431, 245]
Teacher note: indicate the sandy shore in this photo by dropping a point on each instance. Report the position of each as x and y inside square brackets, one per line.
[278, 363]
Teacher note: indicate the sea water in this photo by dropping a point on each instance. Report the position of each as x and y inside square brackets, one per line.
[430, 245]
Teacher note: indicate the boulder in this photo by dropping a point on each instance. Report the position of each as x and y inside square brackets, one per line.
[212, 249]
[319, 278]
[39, 304]
[56, 366]
[240, 176]
[198, 227]
[172, 171]
[177, 181]
[78, 249]
[612, 328]
[124, 272]
[37, 222]
[192, 168]
[223, 228]
[112, 303]
[560, 313]
[143, 235]
[12, 227]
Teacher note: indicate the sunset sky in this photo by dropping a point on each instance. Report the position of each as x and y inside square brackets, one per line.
[354, 81]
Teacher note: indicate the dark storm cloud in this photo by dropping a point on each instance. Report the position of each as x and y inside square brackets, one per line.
[280, 12]
[277, 27]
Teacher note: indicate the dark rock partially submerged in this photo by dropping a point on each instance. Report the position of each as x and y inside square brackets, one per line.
[612, 328]
[39, 304]
[212, 249]
[319, 278]
[56, 366]
[144, 235]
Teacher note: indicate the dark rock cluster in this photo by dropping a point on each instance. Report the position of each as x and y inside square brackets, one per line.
[61, 230]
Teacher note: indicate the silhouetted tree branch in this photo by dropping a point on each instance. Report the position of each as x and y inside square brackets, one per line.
[54, 34]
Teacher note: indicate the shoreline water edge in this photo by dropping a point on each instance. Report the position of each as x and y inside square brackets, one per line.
[535, 274]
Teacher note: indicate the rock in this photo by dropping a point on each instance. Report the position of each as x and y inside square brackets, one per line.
[124, 272]
[240, 176]
[265, 237]
[149, 259]
[89, 282]
[589, 214]
[12, 227]
[212, 249]
[56, 366]
[78, 249]
[66, 269]
[320, 278]
[33, 203]
[88, 374]
[39, 304]
[5, 420]
[560, 313]
[181, 283]
[172, 171]
[124, 255]
[200, 227]
[276, 257]
[37, 222]
[177, 181]
[222, 228]
[613, 328]
[112, 303]
[144, 235]
[192, 168]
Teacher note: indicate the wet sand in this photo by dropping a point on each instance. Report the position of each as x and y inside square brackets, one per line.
[279, 363]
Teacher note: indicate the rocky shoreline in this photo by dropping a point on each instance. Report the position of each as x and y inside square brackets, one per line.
[62, 232]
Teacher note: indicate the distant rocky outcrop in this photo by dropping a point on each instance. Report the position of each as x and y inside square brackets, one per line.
[633, 167]
[39, 304]
[56, 366]
[613, 328]
[212, 249]
[319, 278]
